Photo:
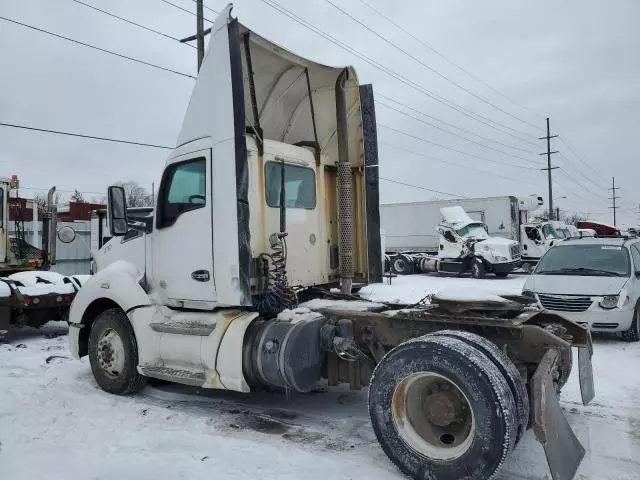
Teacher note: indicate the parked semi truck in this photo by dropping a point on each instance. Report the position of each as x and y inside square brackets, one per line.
[464, 245]
[30, 294]
[412, 228]
[269, 199]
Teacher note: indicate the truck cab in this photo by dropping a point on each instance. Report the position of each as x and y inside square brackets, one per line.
[268, 192]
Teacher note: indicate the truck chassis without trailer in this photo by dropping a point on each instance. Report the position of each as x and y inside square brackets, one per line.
[453, 385]
[270, 199]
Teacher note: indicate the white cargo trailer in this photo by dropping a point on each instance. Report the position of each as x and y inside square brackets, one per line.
[411, 227]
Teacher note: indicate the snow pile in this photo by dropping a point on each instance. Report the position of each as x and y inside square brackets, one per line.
[450, 294]
[352, 305]
[46, 288]
[410, 289]
[35, 277]
[297, 315]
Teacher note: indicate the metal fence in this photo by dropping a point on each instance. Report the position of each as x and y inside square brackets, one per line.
[71, 258]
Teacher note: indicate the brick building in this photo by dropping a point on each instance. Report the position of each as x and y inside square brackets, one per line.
[67, 212]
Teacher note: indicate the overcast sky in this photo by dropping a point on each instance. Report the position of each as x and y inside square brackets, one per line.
[574, 60]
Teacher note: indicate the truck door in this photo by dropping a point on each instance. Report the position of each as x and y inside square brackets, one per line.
[182, 248]
[450, 247]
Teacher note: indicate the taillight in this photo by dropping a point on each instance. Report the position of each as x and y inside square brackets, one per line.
[67, 298]
[26, 300]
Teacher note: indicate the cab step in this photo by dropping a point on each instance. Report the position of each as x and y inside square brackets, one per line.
[186, 377]
[184, 328]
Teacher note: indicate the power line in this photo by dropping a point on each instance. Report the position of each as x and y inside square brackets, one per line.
[22, 187]
[464, 167]
[131, 22]
[209, 8]
[105, 139]
[378, 94]
[96, 48]
[422, 188]
[183, 9]
[457, 135]
[428, 67]
[581, 172]
[473, 115]
[453, 149]
[451, 62]
[566, 143]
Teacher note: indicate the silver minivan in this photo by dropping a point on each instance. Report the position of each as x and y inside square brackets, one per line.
[592, 281]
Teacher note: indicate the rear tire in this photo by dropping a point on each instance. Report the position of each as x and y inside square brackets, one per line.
[401, 265]
[113, 353]
[477, 268]
[516, 383]
[441, 409]
[633, 334]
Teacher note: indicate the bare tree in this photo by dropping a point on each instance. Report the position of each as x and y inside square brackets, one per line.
[77, 197]
[137, 196]
[40, 199]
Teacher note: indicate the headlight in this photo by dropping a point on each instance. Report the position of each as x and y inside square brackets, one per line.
[529, 294]
[609, 301]
[500, 258]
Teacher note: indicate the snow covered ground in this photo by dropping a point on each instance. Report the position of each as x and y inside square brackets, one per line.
[55, 423]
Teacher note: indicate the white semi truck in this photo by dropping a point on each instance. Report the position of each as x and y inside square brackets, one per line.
[271, 198]
[30, 294]
[413, 228]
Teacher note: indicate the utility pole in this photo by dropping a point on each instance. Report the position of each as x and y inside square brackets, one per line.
[548, 153]
[614, 197]
[200, 31]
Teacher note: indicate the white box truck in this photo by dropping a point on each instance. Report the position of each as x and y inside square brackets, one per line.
[411, 228]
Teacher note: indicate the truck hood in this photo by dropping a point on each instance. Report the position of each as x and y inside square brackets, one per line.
[575, 285]
[456, 216]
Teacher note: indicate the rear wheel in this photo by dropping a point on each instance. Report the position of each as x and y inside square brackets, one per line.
[516, 382]
[113, 353]
[402, 265]
[633, 334]
[441, 409]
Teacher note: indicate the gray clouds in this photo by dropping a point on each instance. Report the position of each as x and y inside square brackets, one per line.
[574, 60]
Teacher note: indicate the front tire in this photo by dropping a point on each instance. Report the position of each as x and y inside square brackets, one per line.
[441, 409]
[477, 269]
[633, 334]
[113, 353]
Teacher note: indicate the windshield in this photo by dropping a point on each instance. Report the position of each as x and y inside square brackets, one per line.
[476, 230]
[549, 232]
[588, 260]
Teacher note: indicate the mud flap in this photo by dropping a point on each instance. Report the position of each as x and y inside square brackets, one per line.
[585, 373]
[562, 448]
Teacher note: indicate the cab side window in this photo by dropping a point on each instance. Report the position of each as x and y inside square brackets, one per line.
[183, 188]
[635, 254]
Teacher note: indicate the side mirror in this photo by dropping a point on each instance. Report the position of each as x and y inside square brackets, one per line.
[638, 274]
[117, 211]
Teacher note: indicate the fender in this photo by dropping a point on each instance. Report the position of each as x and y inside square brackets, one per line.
[119, 282]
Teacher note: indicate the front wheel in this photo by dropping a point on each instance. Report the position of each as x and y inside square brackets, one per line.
[442, 409]
[477, 268]
[633, 334]
[113, 353]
